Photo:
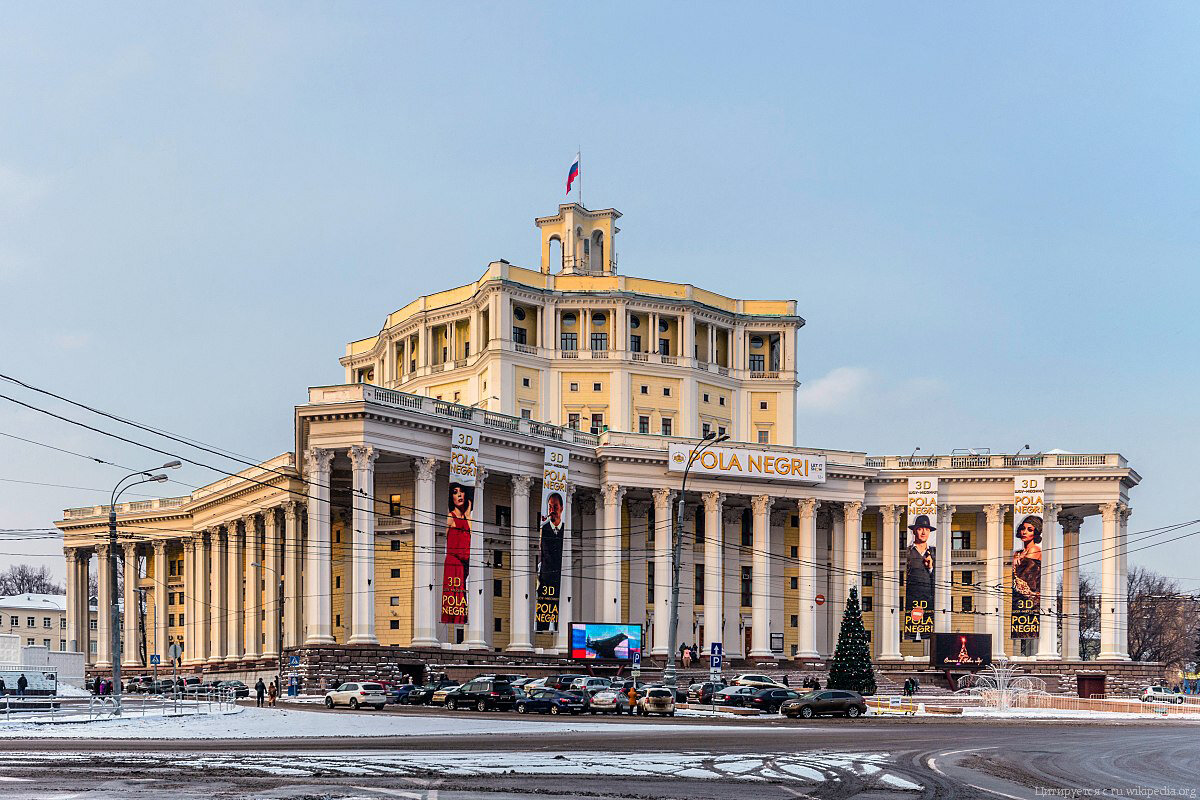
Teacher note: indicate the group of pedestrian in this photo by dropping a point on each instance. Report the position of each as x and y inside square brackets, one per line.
[264, 693]
[911, 686]
[22, 685]
[102, 687]
[689, 653]
[810, 683]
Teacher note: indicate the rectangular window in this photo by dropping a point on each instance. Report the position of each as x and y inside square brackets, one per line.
[573, 421]
[699, 589]
[30, 623]
[643, 424]
[62, 623]
[666, 426]
[445, 354]
[960, 540]
[600, 341]
[171, 620]
[597, 423]
[664, 347]
[395, 505]
[574, 387]
[497, 587]
[645, 389]
[747, 528]
[666, 391]
[503, 516]
[720, 430]
[171, 568]
[866, 540]
[795, 551]
[764, 437]
[868, 604]
[46, 643]
[518, 335]
[91, 624]
[466, 349]
[497, 625]
[394, 601]
[337, 581]
[62, 645]
[794, 582]
[700, 526]
[14, 621]
[596, 387]
[705, 430]
[706, 397]
[762, 405]
[45, 622]
[794, 621]
[395, 544]
[568, 341]
[526, 413]
[337, 621]
[756, 363]
[868, 579]
[968, 577]
[747, 586]
[394, 624]
[635, 343]
[525, 382]
[182, 622]
[650, 582]
[968, 603]
[395, 573]
[498, 559]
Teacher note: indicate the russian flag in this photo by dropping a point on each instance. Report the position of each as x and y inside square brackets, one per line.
[573, 173]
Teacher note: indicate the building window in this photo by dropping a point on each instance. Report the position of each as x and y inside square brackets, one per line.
[91, 624]
[764, 437]
[14, 621]
[497, 587]
[45, 622]
[597, 423]
[721, 400]
[525, 382]
[960, 540]
[699, 590]
[337, 621]
[518, 335]
[868, 579]
[762, 405]
[92, 648]
[395, 573]
[664, 347]
[568, 341]
[62, 645]
[46, 643]
[503, 516]
[650, 581]
[866, 540]
[182, 622]
[30, 622]
[395, 544]
[337, 582]
[705, 430]
[599, 341]
[968, 603]
[867, 604]
[497, 624]
[747, 598]
[756, 363]
[635, 343]
[596, 387]
[794, 582]
[720, 430]
[643, 424]
[171, 620]
[666, 391]
[526, 413]
[457, 396]
[171, 568]
[574, 387]
[968, 577]
[29, 641]
[795, 551]
[666, 426]
[394, 624]
[747, 528]
[706, 397]
[794, 621]
[395, 601]
[645, 389]
[699, 527]
[62, 623]
[573, 421]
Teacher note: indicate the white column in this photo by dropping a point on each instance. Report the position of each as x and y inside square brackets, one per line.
[735, 640]
[521, 572]
[943, 572]
[566, 582]
[212, 593]
[318, 555]
[663, 506]
[835, 585]
[252, 600]
[191, 642]
[71, 556]
[609, 537]
[104, 603]
[852, 552]
[638, 556]
[1109, 582]
[1047, 648]
[234, 610]
[1123, 584]
[995, 593]
[132, 623]
[1070, 582]
[714, 538]
[293, 545]
[160, 602]
[479, 576]
[426, 594]
[760, 610]
[362, 550]
[808, 579]
[889, 584]
[273, 575]
[589, 578]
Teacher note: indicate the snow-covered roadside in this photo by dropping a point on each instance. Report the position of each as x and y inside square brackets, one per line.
[256, 723]
[1065, 714]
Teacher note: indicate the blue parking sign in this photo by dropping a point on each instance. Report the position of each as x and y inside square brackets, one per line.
[294, 661]
[714, 662]
[155, 660]
[637, 658]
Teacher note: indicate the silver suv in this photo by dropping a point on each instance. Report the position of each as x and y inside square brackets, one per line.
[1160, 694]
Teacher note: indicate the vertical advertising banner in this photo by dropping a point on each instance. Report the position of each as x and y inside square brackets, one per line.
[1028, 507]
[553, 529]
[920, 573]
[460, 500]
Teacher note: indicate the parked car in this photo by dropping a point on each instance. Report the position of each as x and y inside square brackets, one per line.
[761, 681]
[735, 696]
[549, 701]
[439, 697]
[815, 703]
[508, 677]
[563, 682]
[588, 684]
[1161, 694]
[356, 695]
[237, 688]
[626, 684]
[703, 692]
[657, 700]
[609, 701]
[770, 700]
[422, 695]
[482, 694]
[521, 683]
[395, 692]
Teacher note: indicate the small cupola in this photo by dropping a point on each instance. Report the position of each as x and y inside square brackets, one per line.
[577, 241]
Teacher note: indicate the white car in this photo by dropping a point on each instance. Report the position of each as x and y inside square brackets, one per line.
[761, 681]
[1160, 694]
[589, 684]
[357, 694]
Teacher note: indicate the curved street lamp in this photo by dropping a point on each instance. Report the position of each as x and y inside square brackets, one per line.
[114, 610]
[669, 675]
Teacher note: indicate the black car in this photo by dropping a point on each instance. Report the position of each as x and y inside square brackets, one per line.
[562, 682]
[829, 701]
[483, 694]
[549, 701]
[770, 700]
[703, 692]
[237, 688]
[421, 695]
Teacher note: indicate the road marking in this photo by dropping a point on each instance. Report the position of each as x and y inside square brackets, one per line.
[933, 765]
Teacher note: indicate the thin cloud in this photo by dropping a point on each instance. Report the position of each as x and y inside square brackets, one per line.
[841, 389]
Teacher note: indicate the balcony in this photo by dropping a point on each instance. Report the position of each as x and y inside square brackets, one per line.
[997, 461]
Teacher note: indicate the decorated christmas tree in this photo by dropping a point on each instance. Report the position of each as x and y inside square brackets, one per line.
[851, 668]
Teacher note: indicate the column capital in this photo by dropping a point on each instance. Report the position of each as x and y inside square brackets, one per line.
[189, 545]
[70, 553]
[130, 549]
[1071, 523]
[104, 549]
[522, 485]
[612, 493]
[363, 456]
[808, 506]
[269, 516]
[291, 510]
[425, 467]
[160, 546]
[1109, 511]
[712, 501]
[853, 510]
[662, 496]
[946, 512]
[317, 460]
[891, 514]
[995, 512]
[481, 475]
[761, 503]
[1124, 512]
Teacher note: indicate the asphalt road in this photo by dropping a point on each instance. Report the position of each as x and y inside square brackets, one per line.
[838, 758]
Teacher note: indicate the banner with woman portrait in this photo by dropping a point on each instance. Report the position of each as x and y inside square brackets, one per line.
[553, 523]
[920, 574]
[460, 502]
[1028, 508]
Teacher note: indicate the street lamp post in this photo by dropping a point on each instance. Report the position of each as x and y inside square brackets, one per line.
[114, 609]
[669, 674]
[279, 599]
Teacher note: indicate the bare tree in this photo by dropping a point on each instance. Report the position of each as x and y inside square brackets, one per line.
[1162, 620]
[1088, 605]
[25, 579]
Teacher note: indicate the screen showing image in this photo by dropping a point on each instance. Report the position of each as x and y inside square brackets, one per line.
[605, 641]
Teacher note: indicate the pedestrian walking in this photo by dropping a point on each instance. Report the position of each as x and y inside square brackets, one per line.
[272, 693]
[3, 688]
[260, 692]
[22, 685]
[785, 683]
[633, 699]
[687, 658]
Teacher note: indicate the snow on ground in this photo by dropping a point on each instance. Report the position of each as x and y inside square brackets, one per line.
[256, 723]
[1056, 713]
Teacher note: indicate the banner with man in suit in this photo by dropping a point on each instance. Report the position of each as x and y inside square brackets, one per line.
[920, 575]
[553, 522]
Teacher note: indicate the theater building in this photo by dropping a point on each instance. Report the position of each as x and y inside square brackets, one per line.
[350, 527]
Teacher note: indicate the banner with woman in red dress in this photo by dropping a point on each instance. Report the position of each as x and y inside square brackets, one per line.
[464, 467]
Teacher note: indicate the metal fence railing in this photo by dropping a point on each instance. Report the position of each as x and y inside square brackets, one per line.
[93, 708]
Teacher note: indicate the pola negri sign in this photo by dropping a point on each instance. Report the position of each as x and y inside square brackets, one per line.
[749, 463]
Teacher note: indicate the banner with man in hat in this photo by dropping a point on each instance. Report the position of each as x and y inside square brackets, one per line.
[919, 573]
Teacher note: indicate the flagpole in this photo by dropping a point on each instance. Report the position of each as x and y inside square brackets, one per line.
[579, 158]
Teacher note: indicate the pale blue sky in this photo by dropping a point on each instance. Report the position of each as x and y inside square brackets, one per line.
[988, 216]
